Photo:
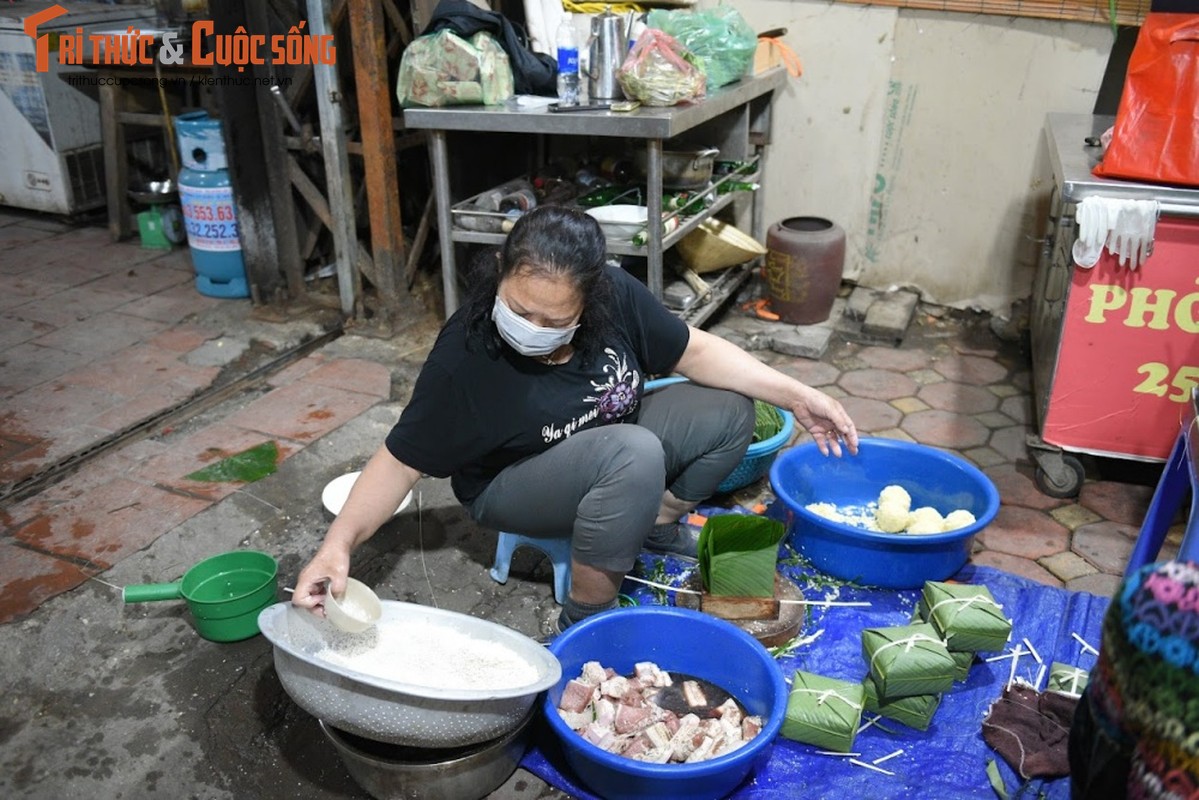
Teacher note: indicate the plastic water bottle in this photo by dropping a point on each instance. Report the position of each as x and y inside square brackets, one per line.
[568, 63]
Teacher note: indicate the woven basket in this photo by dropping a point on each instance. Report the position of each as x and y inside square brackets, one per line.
[758, 457]
[717, 245]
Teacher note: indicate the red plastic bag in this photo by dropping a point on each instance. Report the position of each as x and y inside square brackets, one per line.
[1156, 136]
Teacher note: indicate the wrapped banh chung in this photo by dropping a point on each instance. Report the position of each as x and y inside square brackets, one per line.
[1067, 679]
[915, 711]
[824, 712]
[967, 617]
[908, 660]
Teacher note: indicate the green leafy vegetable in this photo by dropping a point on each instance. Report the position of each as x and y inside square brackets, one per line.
[244, 467]
[768, 421]
[738, 555]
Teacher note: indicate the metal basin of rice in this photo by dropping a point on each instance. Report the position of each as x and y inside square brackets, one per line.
[394, 711]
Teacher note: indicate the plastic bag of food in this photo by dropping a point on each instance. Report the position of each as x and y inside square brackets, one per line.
[719, 37]
[659, 71]
[443, 69]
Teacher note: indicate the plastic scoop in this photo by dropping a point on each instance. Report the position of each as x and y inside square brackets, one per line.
[357, 609]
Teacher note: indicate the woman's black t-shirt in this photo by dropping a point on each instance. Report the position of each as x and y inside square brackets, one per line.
[472, 414]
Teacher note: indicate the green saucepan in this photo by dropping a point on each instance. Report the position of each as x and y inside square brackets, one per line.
[224, 593]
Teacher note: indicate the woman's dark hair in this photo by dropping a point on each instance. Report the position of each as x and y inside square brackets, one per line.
[549, 240]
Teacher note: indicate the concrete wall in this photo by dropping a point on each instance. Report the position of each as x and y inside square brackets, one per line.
[920, 133]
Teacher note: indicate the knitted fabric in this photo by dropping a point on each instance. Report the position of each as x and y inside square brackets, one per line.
[1143, 694]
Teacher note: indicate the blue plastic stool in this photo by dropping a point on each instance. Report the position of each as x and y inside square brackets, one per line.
[1178, 476]
[557, 550]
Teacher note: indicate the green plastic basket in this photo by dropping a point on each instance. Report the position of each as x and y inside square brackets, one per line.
[758, 456]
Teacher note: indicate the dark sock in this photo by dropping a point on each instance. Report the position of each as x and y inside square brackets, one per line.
[574, 611]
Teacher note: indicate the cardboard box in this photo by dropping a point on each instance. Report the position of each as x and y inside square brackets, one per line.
[768, 56]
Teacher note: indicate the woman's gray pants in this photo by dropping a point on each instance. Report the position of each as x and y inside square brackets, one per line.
[604, 485]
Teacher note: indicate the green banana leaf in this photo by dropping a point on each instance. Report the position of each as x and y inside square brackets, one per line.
[244, 467]
[738, 555]
[768, 421]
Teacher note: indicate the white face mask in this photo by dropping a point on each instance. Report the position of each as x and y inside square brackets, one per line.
[525, 337]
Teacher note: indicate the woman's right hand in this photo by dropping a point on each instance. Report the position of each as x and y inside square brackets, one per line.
[372, 501]
[326, 572]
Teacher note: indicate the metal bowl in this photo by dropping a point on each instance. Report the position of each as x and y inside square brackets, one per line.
[391, 772]
[394, 711]
[154, 192]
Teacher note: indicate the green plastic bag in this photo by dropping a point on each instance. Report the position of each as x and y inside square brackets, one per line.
[443, 69]
[719, 37]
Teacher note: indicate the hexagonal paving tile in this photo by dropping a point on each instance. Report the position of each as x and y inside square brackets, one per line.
[1105, 544]
[1016, 565]
[1010, 442]
[958, 397]
[877, 383]
[1017, 488]
[893, 359]
[1126, 503]
[1018, 407]
[945, 429]
[813, 373]
[871, 416]
[1024, 532]
[970, 369]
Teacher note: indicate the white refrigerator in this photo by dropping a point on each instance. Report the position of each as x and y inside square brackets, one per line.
[51, 158]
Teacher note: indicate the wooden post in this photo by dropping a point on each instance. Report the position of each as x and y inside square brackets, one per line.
[275, 157]
[374, 89]
[241, 125]
[337, 167]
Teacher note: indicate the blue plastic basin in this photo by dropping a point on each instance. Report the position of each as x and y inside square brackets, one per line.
[932, 477]
[681, 640]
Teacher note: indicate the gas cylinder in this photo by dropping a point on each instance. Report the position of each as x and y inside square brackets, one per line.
[805, 258]
[209, 213]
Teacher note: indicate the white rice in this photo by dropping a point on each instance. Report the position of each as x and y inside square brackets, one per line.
[433, 656]
[857, 516]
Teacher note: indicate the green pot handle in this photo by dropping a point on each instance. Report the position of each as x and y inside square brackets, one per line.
[145, 592]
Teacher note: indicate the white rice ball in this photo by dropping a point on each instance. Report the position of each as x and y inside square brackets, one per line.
[894, 505]
[959, 518]
[896, 495]
[925, 519]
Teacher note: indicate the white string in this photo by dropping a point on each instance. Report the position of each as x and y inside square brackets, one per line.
[857, 763]
[908, 641]
[887, 757]
[420, 537]
[824, 694]
[1033, 650]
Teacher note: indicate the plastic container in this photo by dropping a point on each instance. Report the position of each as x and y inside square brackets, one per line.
[209, 213]
[932, 477]
[225, 593]
[358, 609]
[681, 640]
[567, 46]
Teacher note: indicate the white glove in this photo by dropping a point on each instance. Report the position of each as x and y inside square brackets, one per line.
[1135, 224]
[1091, 216]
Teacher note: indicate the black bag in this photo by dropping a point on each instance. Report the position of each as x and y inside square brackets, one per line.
[532, 73]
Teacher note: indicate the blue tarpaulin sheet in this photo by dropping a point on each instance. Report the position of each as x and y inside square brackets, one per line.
[950, 759]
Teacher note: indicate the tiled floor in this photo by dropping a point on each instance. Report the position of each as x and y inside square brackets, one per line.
[97, 338]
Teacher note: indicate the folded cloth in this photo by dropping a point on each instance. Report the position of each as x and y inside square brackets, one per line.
[1124, 227]
[1031, 730]
[824, 712]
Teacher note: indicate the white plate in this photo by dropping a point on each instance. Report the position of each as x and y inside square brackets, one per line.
[337, 490]
[620, 221]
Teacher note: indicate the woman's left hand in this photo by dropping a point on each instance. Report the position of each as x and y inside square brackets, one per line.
[826, 420]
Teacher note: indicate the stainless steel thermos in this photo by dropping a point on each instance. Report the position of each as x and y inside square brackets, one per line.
[609, 44]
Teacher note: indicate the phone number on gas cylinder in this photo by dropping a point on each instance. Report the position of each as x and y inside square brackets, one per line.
[212, 230]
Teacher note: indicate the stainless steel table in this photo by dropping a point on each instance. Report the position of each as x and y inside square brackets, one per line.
[738, 116]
